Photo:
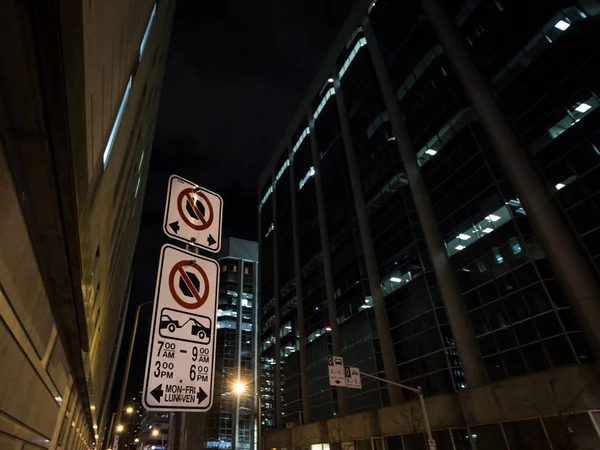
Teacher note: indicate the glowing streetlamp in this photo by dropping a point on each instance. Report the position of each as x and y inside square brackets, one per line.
[155, 432]
[129, 410]
[239, 388]
[136, 440]
[120, 428]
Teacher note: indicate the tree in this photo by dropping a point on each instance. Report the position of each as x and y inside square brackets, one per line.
[555, 402]
[409, 418]
[339, 436]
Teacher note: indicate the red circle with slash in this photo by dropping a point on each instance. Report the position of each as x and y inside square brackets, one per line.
[187, 195]
[198, 299]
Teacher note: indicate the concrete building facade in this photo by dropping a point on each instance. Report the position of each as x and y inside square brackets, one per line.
[431, 215]
[79, 89]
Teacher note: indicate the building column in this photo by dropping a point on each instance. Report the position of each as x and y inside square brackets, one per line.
[235, 419]
[336, 342]
[381, 316]
[277, 326]
[456, 311]
[569, 264]
[299, 297]
[256, 346]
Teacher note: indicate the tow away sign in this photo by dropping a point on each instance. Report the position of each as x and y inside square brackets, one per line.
[193, 214]
[180, 363]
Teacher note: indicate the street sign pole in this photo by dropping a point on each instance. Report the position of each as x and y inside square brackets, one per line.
[419, 392]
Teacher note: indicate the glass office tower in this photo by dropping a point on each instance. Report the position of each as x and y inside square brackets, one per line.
[433, 212]
[230, 423]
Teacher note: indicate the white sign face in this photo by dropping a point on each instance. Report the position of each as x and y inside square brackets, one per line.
[352, 377]
[193, 214]
[337, 377]
[181, 352]
[432, 445]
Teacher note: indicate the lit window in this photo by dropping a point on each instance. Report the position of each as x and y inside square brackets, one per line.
[583, 107]
[265, 198]
[137, 188]
[396, 280]
[309, 174]
[305, 133]
[115, 128]
[361, 42]
[492, 218]
[498, 255]
[562, 25]
[283, 167]
[328, 95]
[141, 161]
[271, 228]
[559, 186]
[431, 151]
[515, 245]
[147, 32]
[488, 230]
[464, 237]
[459, 247]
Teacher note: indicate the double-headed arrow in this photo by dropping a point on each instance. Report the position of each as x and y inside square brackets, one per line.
[175, 227]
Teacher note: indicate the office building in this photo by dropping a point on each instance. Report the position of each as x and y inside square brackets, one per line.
[431, 214]
[155, 429]
[230, 423]
[80, 83]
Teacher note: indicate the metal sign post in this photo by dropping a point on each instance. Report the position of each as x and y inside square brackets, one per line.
[419, 392]
[180, 361]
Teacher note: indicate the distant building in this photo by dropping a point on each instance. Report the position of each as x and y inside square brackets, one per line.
[154, 431]
[431, 214]
[80, 83]
[230, 424]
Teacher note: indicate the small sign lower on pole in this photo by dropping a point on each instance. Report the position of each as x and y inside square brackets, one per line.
[337, 377]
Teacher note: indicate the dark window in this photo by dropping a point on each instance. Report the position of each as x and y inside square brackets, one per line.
[535, 356]
[560, 351]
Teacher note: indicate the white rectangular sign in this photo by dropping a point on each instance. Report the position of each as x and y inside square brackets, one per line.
[180, 363]
[352, 377]
[337, 377]
[193, 214]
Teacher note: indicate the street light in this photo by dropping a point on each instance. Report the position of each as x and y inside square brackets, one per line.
[239, 388]
[155, 432]
[136, 440]
[120, 428]
[129, 410]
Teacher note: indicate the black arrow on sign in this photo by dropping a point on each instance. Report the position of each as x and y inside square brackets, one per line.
[201, 395]
[157, 392]
[211, 240]
[174, 226]
[337, 381]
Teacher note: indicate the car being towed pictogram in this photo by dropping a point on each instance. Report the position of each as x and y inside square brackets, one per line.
[183, 326]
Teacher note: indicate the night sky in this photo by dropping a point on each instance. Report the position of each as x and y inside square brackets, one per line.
[236, 72]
